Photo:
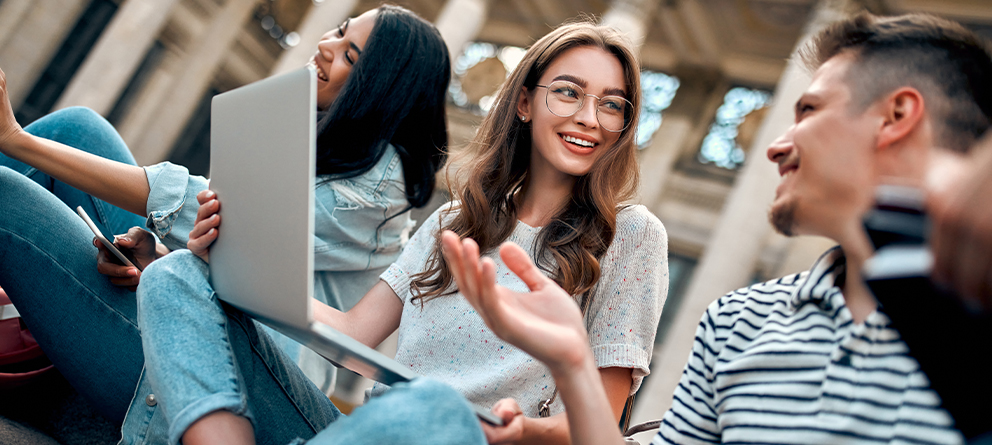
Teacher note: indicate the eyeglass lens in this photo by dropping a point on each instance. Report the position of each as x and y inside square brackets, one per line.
[566, 98]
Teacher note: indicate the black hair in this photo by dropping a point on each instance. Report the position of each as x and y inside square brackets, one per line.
[394, 94]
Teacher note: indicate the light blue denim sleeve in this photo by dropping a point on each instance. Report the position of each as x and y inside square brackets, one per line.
[172, 202]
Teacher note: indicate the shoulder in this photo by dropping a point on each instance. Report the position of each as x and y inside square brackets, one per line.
[758, 301]
[637, 228]
[638, 217]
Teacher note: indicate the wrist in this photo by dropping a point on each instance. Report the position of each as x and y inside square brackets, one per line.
[13, 142]
[578, 357]
[579, 365]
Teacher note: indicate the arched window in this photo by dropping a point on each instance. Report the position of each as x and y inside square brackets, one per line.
[720, 146]
[658, 91]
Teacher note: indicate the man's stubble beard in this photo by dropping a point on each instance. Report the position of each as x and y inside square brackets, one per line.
[783, 218]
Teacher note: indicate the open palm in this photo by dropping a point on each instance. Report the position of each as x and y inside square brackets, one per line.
[545, 322]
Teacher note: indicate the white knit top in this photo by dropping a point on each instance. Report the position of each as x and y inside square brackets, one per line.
[446, 340]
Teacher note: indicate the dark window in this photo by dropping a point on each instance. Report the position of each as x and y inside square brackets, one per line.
[192, 149]
[141, 75]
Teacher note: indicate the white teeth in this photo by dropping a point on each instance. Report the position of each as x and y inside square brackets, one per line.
[320, 72]
[577, 141]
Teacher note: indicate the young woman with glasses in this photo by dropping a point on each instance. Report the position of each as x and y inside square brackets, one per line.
[550, 168]
[381, 83]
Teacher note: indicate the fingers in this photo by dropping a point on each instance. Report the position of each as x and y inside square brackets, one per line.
[204, 196]
[200, 245]
[119, 274]
[507, 409]
[520, 264]
[512, 429]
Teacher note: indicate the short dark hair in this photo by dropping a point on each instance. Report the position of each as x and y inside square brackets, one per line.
[394, 94]
[948, 64]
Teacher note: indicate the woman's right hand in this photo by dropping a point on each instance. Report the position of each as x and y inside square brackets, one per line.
[139, 245]
[205, 227]
[9, 128]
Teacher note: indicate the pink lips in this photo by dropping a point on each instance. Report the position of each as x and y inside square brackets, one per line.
[576, 148]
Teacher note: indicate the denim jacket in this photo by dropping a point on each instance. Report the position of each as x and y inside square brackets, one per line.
[352, 246]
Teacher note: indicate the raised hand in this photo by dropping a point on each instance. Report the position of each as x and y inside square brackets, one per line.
[205, 226]
[962, 229]
[545, 322]
[9, 128]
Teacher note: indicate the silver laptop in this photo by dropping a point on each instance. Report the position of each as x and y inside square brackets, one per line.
[262, 163]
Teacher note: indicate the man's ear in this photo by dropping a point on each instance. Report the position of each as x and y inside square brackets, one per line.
[523, 104]
[903, 111]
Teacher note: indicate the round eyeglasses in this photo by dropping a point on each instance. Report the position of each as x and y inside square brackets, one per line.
[566, 98]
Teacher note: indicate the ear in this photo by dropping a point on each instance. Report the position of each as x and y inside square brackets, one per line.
[903, 111]
[523, 104]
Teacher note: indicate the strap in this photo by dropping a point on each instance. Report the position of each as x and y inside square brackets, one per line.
[8, 311]
[628, 408]
[642, 427]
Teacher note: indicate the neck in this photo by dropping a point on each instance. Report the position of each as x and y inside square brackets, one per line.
[542, 196]
[857, 249]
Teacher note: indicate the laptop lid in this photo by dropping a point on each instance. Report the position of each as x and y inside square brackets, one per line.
[262, 261]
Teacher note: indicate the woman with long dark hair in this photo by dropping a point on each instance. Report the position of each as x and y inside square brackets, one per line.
[550, 169]
[381, 83]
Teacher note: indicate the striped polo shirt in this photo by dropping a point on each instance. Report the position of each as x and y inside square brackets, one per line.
[783, 362]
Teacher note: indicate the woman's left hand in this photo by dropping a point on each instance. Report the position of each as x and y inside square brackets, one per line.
[205, 227]
[512, 430]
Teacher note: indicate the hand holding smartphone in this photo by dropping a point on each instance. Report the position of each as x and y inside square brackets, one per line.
[105, 239]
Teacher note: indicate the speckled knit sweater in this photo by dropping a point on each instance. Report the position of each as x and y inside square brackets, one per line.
[445, 339]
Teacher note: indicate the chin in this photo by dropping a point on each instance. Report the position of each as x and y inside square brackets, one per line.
[782, 216]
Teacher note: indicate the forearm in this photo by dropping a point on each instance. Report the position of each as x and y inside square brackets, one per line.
[373, 319]
[590, 419]
[119, 184]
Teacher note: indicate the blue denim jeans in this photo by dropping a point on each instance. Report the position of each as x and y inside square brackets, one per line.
[203, 355]
[48, 266]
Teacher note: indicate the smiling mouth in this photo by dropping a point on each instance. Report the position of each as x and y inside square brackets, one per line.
[580, 144]
[320, 73]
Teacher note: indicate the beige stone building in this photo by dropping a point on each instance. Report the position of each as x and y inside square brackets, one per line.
[720, 87]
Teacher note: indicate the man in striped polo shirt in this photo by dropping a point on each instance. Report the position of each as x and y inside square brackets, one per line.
[804, 358]
[807, 358]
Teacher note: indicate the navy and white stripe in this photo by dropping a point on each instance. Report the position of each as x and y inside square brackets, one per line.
[783, 362]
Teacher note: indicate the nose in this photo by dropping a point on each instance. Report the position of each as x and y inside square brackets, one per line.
[779, 149]
[326, 49]
[586, 115]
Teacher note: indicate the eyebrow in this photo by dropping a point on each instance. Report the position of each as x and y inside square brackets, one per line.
[613, 91]
[347, 22]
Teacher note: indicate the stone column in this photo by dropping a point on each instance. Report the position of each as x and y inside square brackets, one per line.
[732, 252]
[460, 21]
[122, 46]
[659, 157]
[35, 33]
[11, 14]
[321, 17]
[204, 58]
[631, 17]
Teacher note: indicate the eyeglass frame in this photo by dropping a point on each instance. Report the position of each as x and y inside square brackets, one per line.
[626, 123]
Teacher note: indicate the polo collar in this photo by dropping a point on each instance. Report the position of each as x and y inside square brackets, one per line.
[824, 276]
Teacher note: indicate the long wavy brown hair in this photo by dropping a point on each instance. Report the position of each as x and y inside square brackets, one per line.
[570, 246]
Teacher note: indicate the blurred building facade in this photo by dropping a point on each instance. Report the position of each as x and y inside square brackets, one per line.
[719, 86]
